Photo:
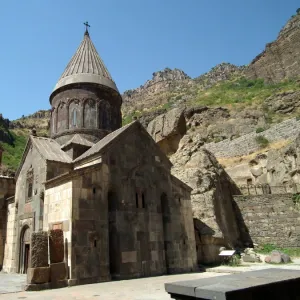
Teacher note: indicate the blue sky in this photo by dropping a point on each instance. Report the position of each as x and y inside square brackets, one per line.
[134, 38]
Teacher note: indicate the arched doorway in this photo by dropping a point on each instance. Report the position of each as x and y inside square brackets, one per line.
[25, 249]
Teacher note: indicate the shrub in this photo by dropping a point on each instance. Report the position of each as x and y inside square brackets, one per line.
[262, 141]
[259, 129]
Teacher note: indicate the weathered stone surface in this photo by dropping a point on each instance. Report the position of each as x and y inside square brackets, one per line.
[277, 284]
[267, 259]
[249, 255]
[285, 258]
[39, 249]
[247, 143]
[58, 271]
[211, 198]
[38, 275]
[276, 257]
[167, 129]
[270, 218]
[56, 245]
[277, 62]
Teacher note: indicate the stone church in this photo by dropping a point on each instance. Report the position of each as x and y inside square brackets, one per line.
[108, 188]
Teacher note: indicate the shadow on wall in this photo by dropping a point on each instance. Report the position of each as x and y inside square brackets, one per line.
[233, 232]
[236, 233]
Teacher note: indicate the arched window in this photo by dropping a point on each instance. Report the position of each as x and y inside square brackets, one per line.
[75, 111]
[29, 192]
[74, 117]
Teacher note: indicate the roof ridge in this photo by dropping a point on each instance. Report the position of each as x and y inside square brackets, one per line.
[104, 141]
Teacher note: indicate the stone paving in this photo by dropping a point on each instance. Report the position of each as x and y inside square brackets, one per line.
[151, 288]
[11, 283]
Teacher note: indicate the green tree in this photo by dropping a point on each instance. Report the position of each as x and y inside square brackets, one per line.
[298, 11]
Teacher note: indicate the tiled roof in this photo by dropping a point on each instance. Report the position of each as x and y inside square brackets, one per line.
[105, 141]
[86, 66]
[78, 140]
[50, 149]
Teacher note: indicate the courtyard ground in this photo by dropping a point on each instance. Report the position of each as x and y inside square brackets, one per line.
[151, 288]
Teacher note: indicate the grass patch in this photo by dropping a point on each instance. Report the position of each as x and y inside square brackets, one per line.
[262, 141]
[259, 130]
[233, 261]
[268, 248]
[242, 90]
[13, 152]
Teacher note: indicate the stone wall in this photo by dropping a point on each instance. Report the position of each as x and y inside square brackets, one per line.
[247, 144]
[9, 263]
[7, 189]
[270, 219]
[58, 210]
[90, 252]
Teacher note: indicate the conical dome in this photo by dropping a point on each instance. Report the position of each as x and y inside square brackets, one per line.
[86, 66]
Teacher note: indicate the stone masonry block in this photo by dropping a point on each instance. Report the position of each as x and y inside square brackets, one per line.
[38, 275]
[58, 271]
[39, 249]
[56, 245]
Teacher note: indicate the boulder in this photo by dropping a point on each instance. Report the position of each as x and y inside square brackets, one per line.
[275, 257]
[167, 129]
[285, 258]
[268, 259]
[249, 255]
[278, 257]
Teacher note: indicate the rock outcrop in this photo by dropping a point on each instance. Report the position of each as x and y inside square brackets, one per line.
[284, 103]
[167, 130]
[40, 120]
[281, 58]
[212, 202]
[279, 168]
[221, 72]
[160, 82]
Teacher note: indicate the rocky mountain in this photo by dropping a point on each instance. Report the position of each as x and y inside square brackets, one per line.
[281, 58]
[39, 120]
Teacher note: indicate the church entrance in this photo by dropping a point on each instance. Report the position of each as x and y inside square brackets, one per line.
[25, 250]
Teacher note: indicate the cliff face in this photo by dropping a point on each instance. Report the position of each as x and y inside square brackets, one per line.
[281, 58]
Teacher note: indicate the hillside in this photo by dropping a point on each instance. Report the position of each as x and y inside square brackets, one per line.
[227, 102]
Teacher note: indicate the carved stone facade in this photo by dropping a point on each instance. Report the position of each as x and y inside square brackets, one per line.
[88, 109]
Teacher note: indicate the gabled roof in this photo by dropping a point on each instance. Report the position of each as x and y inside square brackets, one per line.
[99, 147]
[78, 140]
[86, 66]
[49, 149]
[104, 142]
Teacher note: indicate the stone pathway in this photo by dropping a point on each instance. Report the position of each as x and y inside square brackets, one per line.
[151, 288]
[11, 283]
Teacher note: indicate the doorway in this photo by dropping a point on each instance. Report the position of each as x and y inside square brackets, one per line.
[25, 250]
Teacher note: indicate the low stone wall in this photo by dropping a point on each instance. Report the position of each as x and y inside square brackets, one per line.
[270, 219]
[247, 144]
